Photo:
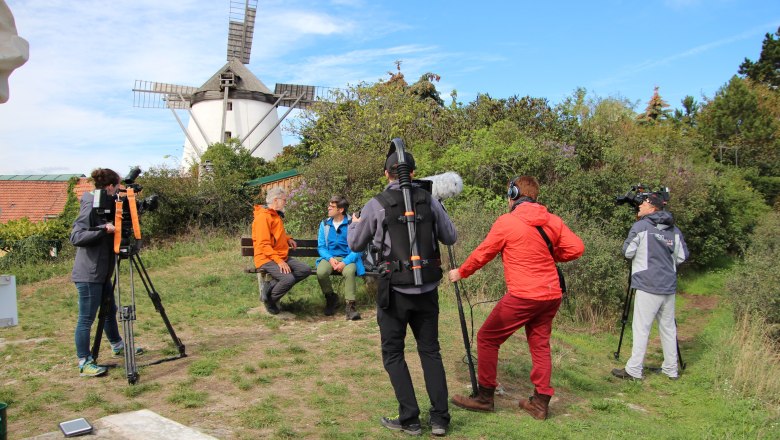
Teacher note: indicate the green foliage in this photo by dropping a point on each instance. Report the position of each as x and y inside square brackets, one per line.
[753, 286]
[656, 111]
[766, 69]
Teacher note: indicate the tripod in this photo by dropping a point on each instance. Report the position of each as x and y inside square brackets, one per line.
[624, 319]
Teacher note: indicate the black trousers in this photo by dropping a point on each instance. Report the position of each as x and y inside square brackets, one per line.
[421, 314]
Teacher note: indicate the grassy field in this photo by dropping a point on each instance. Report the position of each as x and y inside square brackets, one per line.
[250, 375]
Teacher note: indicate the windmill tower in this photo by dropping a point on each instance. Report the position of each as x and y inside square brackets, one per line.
[233, 103]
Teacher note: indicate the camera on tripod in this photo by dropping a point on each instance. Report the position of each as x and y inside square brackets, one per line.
[639, 193]
[104, 205]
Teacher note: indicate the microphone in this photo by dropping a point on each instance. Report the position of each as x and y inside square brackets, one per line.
[445, 185]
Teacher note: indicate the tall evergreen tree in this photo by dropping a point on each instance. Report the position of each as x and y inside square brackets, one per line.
[767, 69]
[657, 109]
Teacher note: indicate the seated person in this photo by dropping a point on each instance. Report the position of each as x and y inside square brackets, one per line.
[271, 245]
[335, 255]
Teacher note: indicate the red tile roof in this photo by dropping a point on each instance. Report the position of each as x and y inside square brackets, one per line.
[36, 200]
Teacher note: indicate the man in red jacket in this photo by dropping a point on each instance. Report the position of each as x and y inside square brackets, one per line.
[534, 291]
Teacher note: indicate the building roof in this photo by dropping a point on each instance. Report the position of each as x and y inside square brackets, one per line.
[273, 177]
[246, 81]
[37, 197]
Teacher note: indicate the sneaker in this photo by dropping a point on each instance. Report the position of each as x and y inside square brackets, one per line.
[271, 307]
[438, 430]
[118, 352]
[395, 425]
[673, 378]
[352, 313]
[623, 374]
[91, 369]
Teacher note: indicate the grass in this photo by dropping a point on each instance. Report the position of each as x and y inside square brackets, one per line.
[250, 375]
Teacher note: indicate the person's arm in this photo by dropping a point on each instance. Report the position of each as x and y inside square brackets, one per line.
[322, 247]
[362, 229]
[680, 248]
[569, 246]
[631, 244]
[445, 229]
[485, 252]
[80, 235]
[261, 239]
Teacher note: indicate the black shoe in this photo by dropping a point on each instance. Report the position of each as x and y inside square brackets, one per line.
[395, 424]
[352, 313]
[622, 374]
[331, 302]
[271, 307]
[438, 430]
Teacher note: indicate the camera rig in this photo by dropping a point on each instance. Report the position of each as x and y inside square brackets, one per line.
[639, 193]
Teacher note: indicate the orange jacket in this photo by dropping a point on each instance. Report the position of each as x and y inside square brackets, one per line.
[529, 269]
[268, 236]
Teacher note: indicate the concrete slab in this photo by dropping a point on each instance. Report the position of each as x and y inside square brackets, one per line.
[136, 425]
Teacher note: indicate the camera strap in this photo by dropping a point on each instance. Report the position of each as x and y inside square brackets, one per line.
[561, 280]
[117, 226]
[134, 213]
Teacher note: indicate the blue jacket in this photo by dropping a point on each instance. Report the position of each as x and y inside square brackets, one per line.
[336, 244]
[656, 247]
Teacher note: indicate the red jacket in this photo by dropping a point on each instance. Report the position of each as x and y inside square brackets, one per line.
[529, 269]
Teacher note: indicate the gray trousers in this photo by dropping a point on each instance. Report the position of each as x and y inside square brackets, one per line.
[647, 308]
[283, 282]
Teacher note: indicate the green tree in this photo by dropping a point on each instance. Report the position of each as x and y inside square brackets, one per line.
[767, 69]
[656, 111]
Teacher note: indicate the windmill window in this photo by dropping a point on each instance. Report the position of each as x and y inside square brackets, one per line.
[228, 135]
[229, 106]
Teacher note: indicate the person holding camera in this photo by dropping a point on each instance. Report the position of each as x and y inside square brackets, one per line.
[335, 255]
[655, 247]
[93, 237]
[400, 302]
[272, 244]
[531, 240]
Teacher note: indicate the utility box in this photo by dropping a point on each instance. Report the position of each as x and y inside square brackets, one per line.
[9, 315]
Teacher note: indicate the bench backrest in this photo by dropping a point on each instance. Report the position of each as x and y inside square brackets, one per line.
[306, 248]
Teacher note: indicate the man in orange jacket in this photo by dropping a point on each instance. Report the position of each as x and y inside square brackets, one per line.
[272, 245]
[534, 291]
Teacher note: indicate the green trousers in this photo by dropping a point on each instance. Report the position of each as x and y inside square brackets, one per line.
[350, 278]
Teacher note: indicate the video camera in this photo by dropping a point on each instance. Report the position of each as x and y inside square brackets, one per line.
[639, 193]
[104, 204]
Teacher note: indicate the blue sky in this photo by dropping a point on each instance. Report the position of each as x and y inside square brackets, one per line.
[71, 106]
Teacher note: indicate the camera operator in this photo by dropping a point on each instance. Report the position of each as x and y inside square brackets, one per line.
[94, 264]
[655, 247]
[534, 292]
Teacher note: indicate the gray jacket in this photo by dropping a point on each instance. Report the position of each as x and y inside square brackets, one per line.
[656, 247]
[94, 249]
[369, 229]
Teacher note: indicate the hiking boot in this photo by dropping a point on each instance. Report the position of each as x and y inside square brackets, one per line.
[536, 405]
[438, 430]
[483, 401]
[352, 313]
[271, 307]
[331, 302]
[623, 374]
[121, 351]
[91, 369]
[395, 425]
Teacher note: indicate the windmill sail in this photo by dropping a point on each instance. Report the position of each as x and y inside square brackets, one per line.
[241, 29]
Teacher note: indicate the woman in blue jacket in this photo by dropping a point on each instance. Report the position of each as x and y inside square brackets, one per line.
[335, 255]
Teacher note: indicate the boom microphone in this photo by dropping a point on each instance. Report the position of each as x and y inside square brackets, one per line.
[446, 185]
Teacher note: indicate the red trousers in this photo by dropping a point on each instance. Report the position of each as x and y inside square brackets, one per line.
[507, 317]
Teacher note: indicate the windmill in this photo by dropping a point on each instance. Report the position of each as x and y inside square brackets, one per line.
[233, 103]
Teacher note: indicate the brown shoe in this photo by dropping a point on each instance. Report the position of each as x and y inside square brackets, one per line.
[536, 405]
[483, 401]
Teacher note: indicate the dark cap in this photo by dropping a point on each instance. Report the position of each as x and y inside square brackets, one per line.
[392, 160]
[656, 200]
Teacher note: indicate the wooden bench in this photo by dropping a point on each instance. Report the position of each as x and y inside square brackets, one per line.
[305, 248]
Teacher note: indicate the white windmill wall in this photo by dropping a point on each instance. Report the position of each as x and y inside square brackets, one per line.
[244, 115]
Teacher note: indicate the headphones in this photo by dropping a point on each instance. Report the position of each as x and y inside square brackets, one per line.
[513, 192]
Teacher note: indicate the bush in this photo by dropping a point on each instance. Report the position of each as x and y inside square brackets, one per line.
[753, 286]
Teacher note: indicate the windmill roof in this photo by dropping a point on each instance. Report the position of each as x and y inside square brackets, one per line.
[37, 197]
[246, 80]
